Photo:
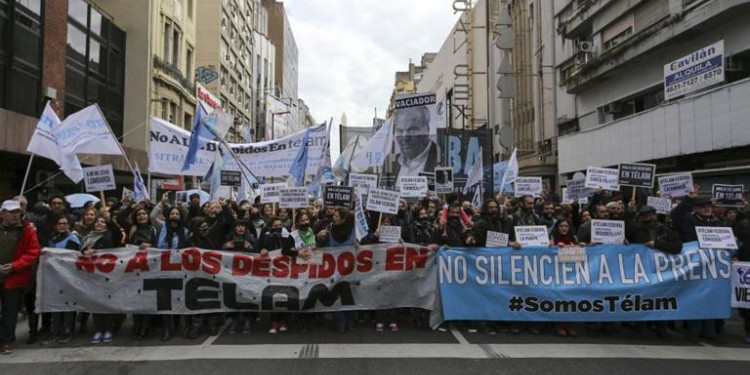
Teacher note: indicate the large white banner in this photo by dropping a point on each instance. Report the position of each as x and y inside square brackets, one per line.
[192, 281]
[168, 145]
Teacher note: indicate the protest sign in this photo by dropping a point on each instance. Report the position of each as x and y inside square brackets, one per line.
[605, 178]
[231, 178]
[430, 180]
[716, 238]
[390, 233]
[385, 201]
[497, 239]
[741, 285]
[638, 175]
[528, 186]
[578, 189]
[676, 185]
[293, 197]
[127, 194]
[413, 186]
[197, 281]
[269, 193]
[99, 178]
[608, 232]
[168, 145]
[444, 180]
[532, 235]
[616, 283]
[728, 195]
[338, 196]
[571, 254]
[315, 259]
[363, 181]
[662, 205]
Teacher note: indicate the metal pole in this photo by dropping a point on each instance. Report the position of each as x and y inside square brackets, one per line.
[26, 176]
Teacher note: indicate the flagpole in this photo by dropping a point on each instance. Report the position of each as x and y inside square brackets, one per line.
[119, 145]
[26, 176]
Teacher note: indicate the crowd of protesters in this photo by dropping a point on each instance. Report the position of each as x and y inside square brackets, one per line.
[260, 228]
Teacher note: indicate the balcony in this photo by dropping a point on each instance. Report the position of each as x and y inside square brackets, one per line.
[707, 121]
[174, 72]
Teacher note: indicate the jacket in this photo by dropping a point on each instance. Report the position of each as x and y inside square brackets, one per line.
[25, 255]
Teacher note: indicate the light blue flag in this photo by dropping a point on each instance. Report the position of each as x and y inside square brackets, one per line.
[214, 173]
[299, 165]
[140, 191]
[199, 137]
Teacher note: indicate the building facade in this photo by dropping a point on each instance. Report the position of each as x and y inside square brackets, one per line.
[72, 54]
[225, 58]
[611, 59]
[264, 66]
[159, 65]
[286, 70]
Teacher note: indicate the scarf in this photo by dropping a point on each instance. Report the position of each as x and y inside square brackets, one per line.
[308, 236]
[90, 239]
[341, 233]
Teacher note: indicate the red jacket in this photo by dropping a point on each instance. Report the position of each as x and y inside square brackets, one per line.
[26, 254]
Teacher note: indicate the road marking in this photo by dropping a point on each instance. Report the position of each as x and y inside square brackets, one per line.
[457, 334]
[374, 351]
[210, 340]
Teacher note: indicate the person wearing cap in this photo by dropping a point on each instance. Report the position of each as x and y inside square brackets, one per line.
[19, 249]
[690, 213]
[647, 230]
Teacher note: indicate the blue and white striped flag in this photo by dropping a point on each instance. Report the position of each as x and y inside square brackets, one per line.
[140, 191]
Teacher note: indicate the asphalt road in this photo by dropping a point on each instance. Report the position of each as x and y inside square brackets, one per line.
[364, 351]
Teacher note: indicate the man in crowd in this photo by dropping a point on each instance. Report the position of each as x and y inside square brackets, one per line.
[19, 249]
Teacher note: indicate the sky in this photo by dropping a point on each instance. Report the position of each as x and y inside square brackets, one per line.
[350, 50]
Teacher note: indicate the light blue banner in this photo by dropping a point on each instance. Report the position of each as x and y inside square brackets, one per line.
[616, 283]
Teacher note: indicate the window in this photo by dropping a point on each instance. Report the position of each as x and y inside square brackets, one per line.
[173, 113]
[176, 40]
[188, 121]
[189, 63]
[167, 35]
[95, 63]
[21, 56]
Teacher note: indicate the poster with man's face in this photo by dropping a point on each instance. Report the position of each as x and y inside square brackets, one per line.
[415, 122]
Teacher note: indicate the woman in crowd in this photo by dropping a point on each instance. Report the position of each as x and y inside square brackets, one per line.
[562, 236]
[62, 322]
[302, 246]
[340, 233]
[241, 240]
[99, 238]
[271, 240]
[142, 234]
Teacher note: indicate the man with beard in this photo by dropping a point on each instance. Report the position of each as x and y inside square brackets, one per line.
[492, 220]
[650, 232]
[525, 215]
[548, 218]
[454, 232]
[422, 231]
[599, 212]
[690, 213]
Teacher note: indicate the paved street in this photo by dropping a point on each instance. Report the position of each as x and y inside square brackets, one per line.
[324, 351]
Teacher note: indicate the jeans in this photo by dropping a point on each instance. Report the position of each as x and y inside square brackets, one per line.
[62, 323]
[344, 319]
[10, 301]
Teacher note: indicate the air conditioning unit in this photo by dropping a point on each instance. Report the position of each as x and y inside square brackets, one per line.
[612, 107]
[585, 46]
[734, 64]
[227, 56]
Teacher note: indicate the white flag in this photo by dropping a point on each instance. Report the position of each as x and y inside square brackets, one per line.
[378, 147]
[44, 143]
[87, 132]
[476, 173]
[511, 171]
[477, 200]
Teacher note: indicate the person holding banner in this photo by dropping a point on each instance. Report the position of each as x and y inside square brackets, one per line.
[454, 233]
[19, 249]
[240, 240]
[690, 213]
[302, 246]
[340, 232]
[142, 234]
[273, 239]
[62, 322]
[172, 235]
[100, 238]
